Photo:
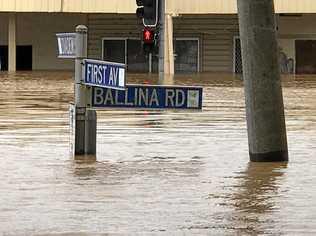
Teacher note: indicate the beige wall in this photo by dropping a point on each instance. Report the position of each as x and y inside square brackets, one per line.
[30, 5]
[129, 6]
[4, 19]
[38, 30]
[216, 33]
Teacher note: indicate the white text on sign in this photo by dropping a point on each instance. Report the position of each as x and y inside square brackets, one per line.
[104, 74]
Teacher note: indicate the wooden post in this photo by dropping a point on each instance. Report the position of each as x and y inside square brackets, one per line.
[263, 91]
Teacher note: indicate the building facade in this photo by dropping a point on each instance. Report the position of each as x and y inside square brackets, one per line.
[205, 34]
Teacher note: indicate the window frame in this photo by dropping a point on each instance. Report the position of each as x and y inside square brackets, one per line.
[189, 39]
[150, 59]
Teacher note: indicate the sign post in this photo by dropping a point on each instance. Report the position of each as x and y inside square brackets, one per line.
[101, 84]
[72, 128]
[85, 132]
[162, 31]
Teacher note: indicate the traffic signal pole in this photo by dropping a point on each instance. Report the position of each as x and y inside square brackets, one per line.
[264, 100]
[162, 40]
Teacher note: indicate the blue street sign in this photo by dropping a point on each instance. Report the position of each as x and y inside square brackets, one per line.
[148, 97]
[104, 74]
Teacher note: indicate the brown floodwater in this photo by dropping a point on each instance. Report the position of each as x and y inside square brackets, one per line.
[157, 172]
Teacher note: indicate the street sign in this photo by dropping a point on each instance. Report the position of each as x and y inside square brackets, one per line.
[148, 97]
[66, 45]
[104, 74]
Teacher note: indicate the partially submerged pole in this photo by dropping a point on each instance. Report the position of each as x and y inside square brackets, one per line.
[85, 127]
[263, 91]
[161, 65]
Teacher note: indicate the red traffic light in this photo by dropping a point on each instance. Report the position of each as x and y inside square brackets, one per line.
[148, 36]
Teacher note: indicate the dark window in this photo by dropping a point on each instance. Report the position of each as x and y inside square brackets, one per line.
[114, 50]
[136, 60]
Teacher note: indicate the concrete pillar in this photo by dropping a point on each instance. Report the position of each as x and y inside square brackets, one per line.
[169, 56]
[85, 133]
[263, 91]
[166, 57]
[12, 42]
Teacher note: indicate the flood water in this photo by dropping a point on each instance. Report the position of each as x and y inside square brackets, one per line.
[157, 172]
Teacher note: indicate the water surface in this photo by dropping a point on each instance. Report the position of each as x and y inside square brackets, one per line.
[157, 172]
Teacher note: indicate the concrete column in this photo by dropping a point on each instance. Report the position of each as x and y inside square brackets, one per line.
[169, 57]
[263, 91]
[85, 133]
[12, 42]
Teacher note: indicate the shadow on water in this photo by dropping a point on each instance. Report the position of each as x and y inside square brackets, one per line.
[255, 198]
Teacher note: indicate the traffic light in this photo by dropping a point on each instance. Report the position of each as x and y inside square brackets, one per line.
[148, 10]
[149, 40]
[148, 36]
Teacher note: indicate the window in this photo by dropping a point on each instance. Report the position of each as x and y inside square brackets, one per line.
[129, 52]
[286, 63]
[126, 51]
[186, 55]
[136, 60]
[114, 50]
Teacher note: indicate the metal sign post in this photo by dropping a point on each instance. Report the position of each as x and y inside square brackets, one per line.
[101, 84]
[85, 132]
[161, 41]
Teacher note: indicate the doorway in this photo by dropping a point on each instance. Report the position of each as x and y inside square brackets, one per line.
[305, 51]
[3, 58]
[24, 57]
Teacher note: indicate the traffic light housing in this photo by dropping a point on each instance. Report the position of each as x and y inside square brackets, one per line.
[148, 36]
[149, 40]
[148, 11]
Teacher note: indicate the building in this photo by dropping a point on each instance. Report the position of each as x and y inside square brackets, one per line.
[205, 34]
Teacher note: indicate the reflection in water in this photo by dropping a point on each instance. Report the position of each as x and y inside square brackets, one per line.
[166, 80]
[255, 196]
[157, 172]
